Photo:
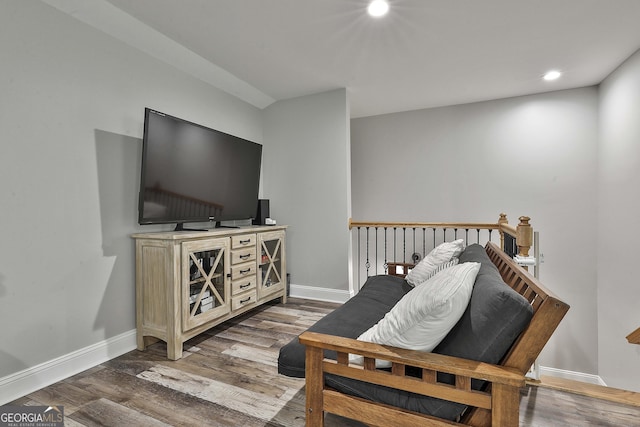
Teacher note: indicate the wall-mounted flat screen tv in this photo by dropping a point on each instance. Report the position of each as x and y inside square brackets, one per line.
[191, 173]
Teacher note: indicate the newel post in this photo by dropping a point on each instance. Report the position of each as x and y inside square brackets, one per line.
[524, 236]
[502, 221]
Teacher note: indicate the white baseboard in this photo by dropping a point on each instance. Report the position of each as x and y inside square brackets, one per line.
[321, 294]
[572, 375]
[31, 379]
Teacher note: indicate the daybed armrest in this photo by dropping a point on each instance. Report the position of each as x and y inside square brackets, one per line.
[502, 399]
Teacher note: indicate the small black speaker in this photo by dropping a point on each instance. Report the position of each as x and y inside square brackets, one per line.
[262, 212]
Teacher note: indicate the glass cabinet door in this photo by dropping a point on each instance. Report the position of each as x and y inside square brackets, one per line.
[206, 290]
[271, 261]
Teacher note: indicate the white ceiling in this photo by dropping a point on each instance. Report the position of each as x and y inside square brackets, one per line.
[424, 53]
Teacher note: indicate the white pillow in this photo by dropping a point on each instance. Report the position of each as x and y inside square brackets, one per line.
[439, 268]
[442, 253]
[426, 314]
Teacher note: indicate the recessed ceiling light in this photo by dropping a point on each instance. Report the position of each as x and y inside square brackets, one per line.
[552, 75]
[378, 8]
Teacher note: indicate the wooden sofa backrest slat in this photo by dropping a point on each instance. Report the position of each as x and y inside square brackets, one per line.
[536, 303]
[548, 310]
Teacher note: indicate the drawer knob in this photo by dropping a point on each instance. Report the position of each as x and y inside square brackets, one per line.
[242, 301]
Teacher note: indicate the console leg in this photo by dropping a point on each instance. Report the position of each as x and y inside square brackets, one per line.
[174, 349]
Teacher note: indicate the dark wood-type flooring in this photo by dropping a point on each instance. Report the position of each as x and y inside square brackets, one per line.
[228, 377]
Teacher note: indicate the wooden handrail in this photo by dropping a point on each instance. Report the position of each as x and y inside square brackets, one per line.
[634, 337]
[470, 225]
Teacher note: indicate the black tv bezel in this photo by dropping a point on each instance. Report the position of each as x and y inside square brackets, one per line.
[181, 221]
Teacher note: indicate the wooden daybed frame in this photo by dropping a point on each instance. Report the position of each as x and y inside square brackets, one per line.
[497, 405]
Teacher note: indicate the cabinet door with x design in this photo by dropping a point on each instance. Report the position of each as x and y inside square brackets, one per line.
[272, 275]
[205, 284]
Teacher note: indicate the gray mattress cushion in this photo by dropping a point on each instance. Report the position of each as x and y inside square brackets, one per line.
[376, 297]
[495, 317]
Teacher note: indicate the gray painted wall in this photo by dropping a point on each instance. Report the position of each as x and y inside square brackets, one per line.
[619, 204]
[71, 123]
[306, 178]
[533, 155]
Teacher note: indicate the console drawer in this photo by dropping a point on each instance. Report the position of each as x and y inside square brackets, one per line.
[245, 299]
[243, 241]
[243, 270]
[242, 285]
[243, 255]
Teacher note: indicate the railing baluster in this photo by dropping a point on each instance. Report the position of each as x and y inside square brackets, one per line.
[386, 263]
[414, 243]
[367, 264]
[359, 257]
[376, 231]
[434, 237]
[395, 243]
[404, 244]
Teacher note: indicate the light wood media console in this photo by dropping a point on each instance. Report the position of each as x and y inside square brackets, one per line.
[190, 281]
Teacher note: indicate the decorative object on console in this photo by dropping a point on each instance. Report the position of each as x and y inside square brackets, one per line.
[263, 212]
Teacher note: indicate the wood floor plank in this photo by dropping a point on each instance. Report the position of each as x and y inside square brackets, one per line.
[233, 374]
[240, 335]
[163, 403]
[255, 404]
[105, 412]
[257, 369]
[543, 407]
[592, 390]
[63, 393]
[268, 328]
[280, 329]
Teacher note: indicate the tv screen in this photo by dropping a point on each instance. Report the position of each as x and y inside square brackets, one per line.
[191, 173]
